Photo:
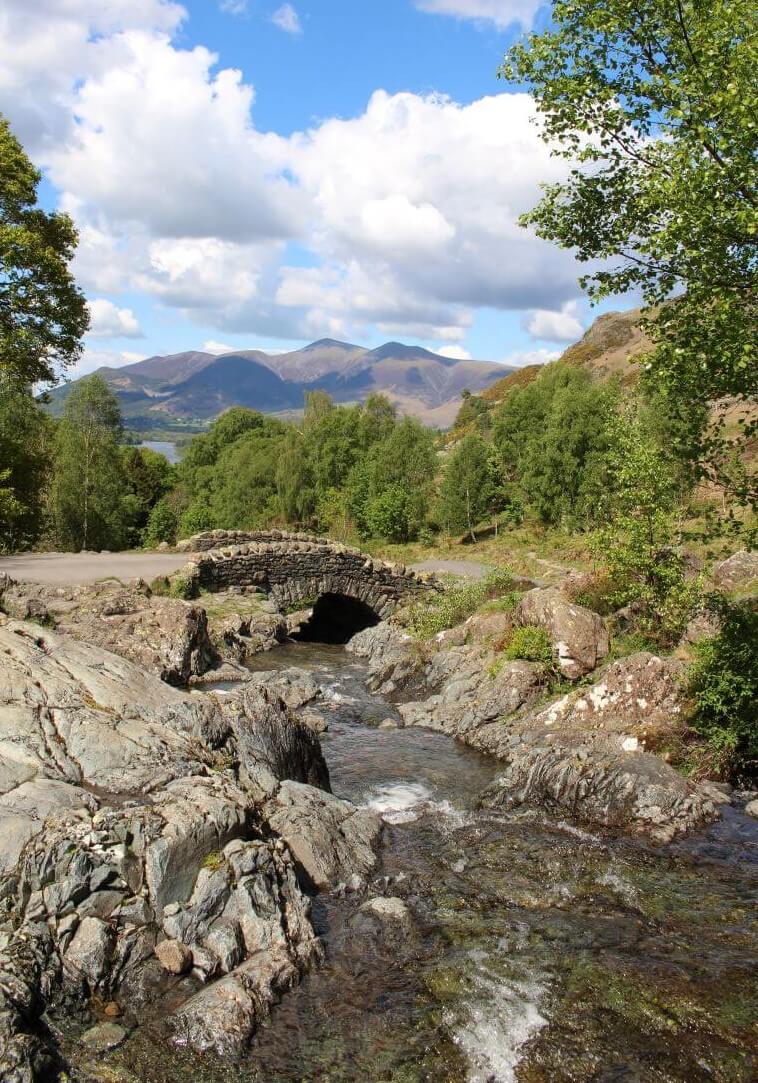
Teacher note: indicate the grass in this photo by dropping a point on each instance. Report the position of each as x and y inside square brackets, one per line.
[442, 611]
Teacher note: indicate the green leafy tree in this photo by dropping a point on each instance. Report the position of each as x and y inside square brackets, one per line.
[468, 486]
[26, 436]
[655, 102]
[391, 515]
[162, 524]
[474, 413]
[89, 487]
[295, 485]
[148, 476]
[376, 421]
[636, 545]
[42, 313]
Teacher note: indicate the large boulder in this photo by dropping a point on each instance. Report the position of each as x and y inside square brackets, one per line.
[332, 840]
[740, 570]
[578, 636]
[584, 754]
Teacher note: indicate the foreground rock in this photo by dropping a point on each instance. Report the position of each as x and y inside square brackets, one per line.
[138, 845]
[164, 636]
[739, 571]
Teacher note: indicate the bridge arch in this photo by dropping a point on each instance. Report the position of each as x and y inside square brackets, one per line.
[297, 569]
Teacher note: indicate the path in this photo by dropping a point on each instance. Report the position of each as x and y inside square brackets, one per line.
[78, 568]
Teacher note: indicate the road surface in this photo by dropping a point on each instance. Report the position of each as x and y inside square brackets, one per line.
[72, 569]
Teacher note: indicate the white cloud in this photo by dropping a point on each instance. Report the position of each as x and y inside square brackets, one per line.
[562, 326]
[500, 12]
[456, 352]
[91, 360]
[520, 358]
[408, 210]
[109, 321]
[216, 347]
[233, 7]
[287, 19]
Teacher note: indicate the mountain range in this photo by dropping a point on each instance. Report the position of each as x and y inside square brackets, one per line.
[177, 387]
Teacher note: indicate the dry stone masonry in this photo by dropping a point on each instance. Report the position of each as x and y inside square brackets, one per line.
[293, 568]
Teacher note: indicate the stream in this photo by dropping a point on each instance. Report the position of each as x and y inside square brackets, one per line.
[540, 952]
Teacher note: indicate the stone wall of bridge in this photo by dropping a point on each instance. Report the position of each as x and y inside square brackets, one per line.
[297, 568]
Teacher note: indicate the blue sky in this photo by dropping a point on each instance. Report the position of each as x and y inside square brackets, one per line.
[259, 174]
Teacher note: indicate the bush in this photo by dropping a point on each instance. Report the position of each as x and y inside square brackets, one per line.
[723, 683]
[161, 525]
[530, 644]
[429, 618]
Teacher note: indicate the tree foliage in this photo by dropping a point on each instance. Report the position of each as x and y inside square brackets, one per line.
[89, 485]
[655, 102]
[43, 315]
[26, 435]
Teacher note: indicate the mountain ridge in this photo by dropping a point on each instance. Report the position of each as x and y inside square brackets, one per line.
[196, 384]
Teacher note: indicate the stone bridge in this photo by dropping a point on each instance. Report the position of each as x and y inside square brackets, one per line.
[297, 568]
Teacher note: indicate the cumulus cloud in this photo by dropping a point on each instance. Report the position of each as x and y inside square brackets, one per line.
[91, 360]
[520, 358]
[456, 352]
[109, 321]
[408, 210]
[500, 12]
[561, 326]
[287, 19]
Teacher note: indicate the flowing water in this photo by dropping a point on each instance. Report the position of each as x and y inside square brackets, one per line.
[541, 952]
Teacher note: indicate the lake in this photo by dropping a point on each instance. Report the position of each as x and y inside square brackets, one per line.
[165, 447]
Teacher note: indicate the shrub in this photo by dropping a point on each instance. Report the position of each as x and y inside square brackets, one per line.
[531, 644]
[161, 525]
[184, 587]
[723, 683]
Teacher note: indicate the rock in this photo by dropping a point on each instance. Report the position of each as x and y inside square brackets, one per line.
[174, 956]
[395, 659]
[740, 570]
[134, 815]
[637, 792]
[330, 839]
[165, 636]
[224, 1016]
[385, 921]
[112, 1010]
[90, 951]
[751, 808]
[579, 637]
[103, 1037]
[389, 724]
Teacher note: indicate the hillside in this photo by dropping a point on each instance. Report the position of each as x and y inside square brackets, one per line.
[171, 389]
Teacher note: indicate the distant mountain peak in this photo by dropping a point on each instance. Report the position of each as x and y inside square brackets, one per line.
[330, 344]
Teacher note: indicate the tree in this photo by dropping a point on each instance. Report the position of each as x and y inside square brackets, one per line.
[636, 540]
[468, 486]
[43, 315]
[294, 480]
[88, 480]
[655, 104]
[148, 476]
[26, 435]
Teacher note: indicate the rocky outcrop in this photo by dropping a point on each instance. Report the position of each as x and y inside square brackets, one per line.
[579, 637]
[164, 636]
[136, 845]
[740, 570]
[330, 839]
[582, 755]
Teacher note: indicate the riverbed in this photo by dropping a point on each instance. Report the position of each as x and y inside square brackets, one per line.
[540, 952]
